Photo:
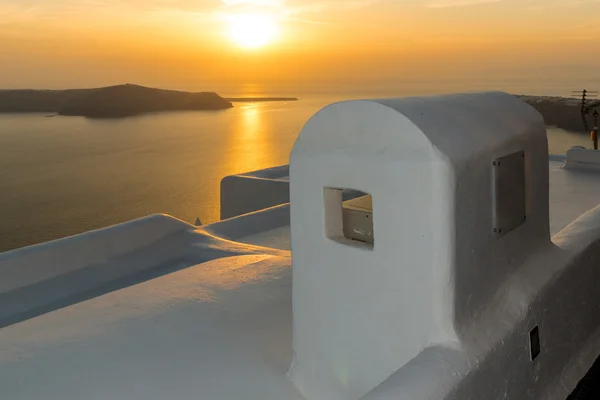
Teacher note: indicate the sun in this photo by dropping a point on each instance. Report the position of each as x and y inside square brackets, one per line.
[252, 31]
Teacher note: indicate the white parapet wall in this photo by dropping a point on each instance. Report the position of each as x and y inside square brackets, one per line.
[33, 264]
[41, 276]
[253, 191]
[461, 264]
[582, 158]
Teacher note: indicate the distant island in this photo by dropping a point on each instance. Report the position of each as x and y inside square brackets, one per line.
[128, 100]
[258, 99]
[115, 101]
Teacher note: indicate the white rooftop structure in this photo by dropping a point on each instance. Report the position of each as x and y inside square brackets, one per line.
[448, 285]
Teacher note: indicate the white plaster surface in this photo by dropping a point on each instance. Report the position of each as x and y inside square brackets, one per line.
[259, 189]
[555, 290]
[278, 238]
[222, 329]
[565, 185]
[582, 158]
[427, 162]
[217, 330]
[156, 308]
[572, 193]
[29, 265]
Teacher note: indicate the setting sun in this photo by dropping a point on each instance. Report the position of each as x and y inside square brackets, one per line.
[252, 31]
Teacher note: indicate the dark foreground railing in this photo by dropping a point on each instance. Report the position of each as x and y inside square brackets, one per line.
[589, 386]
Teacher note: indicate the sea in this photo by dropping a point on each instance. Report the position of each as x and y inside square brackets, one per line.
[61, 176]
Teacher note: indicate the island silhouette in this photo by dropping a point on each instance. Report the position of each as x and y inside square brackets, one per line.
[129, 100]
[115, 101]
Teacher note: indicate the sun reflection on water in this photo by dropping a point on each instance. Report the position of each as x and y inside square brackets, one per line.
[252, 147]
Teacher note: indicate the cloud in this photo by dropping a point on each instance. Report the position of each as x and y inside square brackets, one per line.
[291, 10]
[539, 5]
[458, 3]
[303, 11]
[28, 11]
[12, 7]
[255, 3]
[307, 21]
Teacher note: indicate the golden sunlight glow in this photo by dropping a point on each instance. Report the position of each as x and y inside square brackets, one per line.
[252, 31]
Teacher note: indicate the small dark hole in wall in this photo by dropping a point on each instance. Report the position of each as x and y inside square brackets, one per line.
[534, 342]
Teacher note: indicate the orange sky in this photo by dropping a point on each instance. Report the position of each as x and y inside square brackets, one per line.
[360, 43]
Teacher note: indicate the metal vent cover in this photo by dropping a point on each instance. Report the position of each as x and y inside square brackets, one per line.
[508, 193]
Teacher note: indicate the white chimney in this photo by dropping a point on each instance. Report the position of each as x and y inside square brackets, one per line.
[447, 222]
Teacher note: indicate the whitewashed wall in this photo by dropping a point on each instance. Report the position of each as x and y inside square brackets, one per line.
[439, 285]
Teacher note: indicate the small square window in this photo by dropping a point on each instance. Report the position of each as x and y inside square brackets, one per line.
[349, 222]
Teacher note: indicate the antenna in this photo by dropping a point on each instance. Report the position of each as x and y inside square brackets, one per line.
[594, 132]
[589, 109]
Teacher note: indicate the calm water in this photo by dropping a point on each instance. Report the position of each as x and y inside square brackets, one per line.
[64, 175]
